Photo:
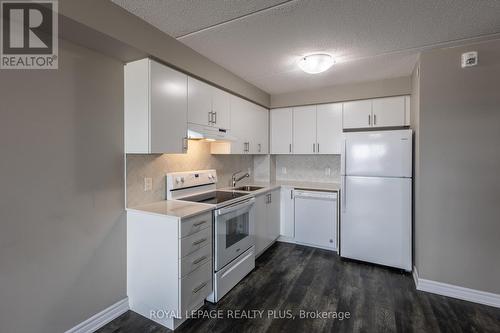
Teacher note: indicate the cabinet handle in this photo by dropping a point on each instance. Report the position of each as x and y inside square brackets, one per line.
[200, 241]
[270, 198]
[291, 194]
[184, 144]
[259, 145]
[290, 148]
[197, 224]
[314, 147]
[374, 119]
[248, 147]
[200, 287]
[318, 147]
[197, 261]
[210, 117]
[369, 120]
[215, 117]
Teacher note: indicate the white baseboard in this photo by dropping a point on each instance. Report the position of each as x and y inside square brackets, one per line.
[102, 318]
[450, 290]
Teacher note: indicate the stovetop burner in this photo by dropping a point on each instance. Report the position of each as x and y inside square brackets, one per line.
[214, 197]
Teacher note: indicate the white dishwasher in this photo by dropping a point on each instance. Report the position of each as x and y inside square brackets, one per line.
[316, 218]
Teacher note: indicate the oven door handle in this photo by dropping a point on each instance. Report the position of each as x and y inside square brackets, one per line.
[235, 207]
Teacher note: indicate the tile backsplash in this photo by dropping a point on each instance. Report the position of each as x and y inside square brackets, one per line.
[198, 157]
[313, 168]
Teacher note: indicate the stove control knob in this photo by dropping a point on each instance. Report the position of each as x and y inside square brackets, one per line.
[210, 176]
[178, 180]
[182, 180]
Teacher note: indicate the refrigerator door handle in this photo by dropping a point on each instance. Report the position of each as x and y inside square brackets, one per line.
[343, 158]
[343, 195]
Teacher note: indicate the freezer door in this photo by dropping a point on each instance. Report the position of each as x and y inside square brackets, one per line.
[375, 224]
[378, 154]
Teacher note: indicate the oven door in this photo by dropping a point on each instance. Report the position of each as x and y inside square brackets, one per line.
[234, 231]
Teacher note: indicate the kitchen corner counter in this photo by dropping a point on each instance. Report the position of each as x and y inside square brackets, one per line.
[173, 208]
[331, 187]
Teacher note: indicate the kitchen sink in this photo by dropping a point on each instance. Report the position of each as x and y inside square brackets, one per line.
[248, 188]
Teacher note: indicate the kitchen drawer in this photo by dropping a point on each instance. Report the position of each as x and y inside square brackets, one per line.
[194, 260]
[196, 223]
[196, 286]
[195, 241]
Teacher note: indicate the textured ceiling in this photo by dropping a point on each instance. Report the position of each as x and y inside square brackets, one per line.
[261, 41]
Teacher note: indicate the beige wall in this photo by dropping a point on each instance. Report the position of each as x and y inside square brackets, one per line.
[345, 92]
[114, 21]
[62, 238]
[458, 217]
[415, 126]
[198, 157]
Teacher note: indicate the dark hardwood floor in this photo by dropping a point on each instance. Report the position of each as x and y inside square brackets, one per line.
[293, 278]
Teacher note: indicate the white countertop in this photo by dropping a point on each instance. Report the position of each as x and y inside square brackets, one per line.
[332, 187]
[174, 208]
[184, 209]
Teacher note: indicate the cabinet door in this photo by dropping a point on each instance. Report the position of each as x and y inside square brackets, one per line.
[389, 112]
[260, 226]
[273, 216]
[168, 110]
[329, 128]
[304, 130]
[221, 105]
[240, 116]
[260, 130]
[199, 102]
[281, 131]
[357, 114]
[287, 213]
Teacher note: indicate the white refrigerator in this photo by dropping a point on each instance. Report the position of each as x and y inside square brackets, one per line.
[376, 197]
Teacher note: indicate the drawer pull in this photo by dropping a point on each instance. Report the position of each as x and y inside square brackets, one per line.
[200, 287]
[197, 224]
[200, 241]
[197, 261]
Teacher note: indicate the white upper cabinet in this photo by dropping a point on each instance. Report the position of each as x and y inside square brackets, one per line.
[329, 128]
[199, 102]
[221, 107]
[155, 108]
[358, 114]
[208, 105]
[304, 130]
[240, 131]
[259, 140]
[389, 112]
[281, 131]
[378, 112]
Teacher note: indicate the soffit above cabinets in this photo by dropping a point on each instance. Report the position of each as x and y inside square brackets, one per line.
[261, 41]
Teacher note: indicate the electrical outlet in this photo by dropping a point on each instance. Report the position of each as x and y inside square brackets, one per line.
[148, 184]
[283, 170]
[328, 171]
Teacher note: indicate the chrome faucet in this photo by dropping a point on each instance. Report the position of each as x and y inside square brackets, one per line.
[234, 180]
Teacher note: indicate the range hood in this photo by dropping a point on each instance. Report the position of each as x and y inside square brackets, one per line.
[199, 132]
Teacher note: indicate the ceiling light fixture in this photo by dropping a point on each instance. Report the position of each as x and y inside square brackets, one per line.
[316, 63]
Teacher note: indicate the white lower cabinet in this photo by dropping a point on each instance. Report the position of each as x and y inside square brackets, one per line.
[169, 265]
[267, 220]
[287, 213]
